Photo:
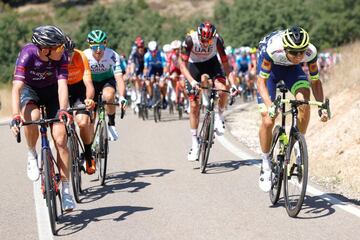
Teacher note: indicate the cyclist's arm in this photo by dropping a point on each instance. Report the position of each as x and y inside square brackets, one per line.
[146, 63]
[63, 93]
[264, 74]
[118, 74]
[87, 79]
[15, 96]
[316, 84]
[184, 58]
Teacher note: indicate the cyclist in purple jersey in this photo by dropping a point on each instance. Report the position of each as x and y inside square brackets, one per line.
[40, 78]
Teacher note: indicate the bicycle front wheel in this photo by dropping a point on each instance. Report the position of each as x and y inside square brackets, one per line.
[102, 154]
[50, 191]
[76, 166]
[277, 160]
[206, 139]
[295, 175]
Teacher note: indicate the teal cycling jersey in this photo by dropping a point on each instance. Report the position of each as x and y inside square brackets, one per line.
[110, 64]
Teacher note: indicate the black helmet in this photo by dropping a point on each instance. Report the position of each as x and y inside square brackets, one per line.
[48, 36]
[69, 44]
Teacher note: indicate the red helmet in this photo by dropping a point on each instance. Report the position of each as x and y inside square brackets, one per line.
[139, 42]
[206, 31]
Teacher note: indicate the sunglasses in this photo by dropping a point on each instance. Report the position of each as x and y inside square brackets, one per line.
[296, 53]
[96, 47]
[58, 49]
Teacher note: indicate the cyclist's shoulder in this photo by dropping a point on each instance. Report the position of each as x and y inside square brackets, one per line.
[311, 52]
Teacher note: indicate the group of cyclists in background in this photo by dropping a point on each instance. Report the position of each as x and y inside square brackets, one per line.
[51, 71]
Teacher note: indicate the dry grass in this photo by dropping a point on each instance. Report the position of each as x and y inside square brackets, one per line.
[5, 99]
[334, 147]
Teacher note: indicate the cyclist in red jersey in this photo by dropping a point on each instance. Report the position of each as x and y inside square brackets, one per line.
[199, 57]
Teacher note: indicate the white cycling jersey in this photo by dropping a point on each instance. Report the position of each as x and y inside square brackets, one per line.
[275, 50]
[107, 67]
[199, 53]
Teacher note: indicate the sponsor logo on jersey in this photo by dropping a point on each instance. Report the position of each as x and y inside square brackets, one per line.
[98, 68]
[266, 65]
[202, 50]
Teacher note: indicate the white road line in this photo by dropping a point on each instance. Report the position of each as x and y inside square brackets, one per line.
[42, 216]
[310, 189]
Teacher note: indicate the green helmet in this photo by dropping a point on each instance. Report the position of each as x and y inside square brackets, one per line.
[97, 36]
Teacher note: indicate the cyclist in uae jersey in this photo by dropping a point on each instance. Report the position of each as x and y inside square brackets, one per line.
[105, 65]
[200, 49]
[281, 53]
[40, 78]
[81, 90]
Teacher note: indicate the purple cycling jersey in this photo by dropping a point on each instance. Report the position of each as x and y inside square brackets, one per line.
[37, 73]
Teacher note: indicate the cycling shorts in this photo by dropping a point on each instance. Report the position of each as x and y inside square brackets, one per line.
[99, 86]
[47, 96]
[211, 67]
[155, 71]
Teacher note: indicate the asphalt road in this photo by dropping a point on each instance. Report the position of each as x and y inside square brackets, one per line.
[153, 192]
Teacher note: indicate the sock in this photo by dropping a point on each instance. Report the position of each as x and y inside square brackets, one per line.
[65, 187]
[194, 138]
[87, 151]
[265, 161]
[111, 119]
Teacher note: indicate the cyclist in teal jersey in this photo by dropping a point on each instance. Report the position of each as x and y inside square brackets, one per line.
[107, 74]
[40, 78]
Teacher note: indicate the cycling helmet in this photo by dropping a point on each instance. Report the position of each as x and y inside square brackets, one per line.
[139, 42]
[69, 44]
[167, 48]
[48, 36]
[96, 37]
[228, 50]
[176, 44]
[206, 31]
[152, 45]
[295, 39]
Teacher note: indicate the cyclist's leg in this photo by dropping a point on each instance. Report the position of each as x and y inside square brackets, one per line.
[108, 94]
[29, 110]
[296, 81]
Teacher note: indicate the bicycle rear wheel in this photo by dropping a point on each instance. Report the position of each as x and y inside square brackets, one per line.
[76, 166]
[50, 192]
[277, 160]
[206, 139]
[295, 175]
[101, 155]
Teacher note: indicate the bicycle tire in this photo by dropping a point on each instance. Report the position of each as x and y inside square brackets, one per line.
[76, 172]
[50, 194]
[155, 114]
[103, 152]
[292, 208]
[276, 167]
[207, 140]
[180, 110]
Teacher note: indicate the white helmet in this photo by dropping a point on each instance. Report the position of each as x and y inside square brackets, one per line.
[152, 45]
[166, 48]
[176, 44]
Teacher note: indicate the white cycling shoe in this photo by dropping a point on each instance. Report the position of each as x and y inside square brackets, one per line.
[67, 202]
[219, 125]
[193, 154]
[33, 172]
[112, 133]
[265, 180]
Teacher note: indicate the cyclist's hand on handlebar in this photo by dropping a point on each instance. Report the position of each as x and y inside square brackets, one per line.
[90, 104]
[272, 111]
[195, 85]
[65, 116]
[234, 91]
[323, 114]
[123, 102]
[15, 124]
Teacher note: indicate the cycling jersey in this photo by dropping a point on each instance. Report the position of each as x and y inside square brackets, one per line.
[194, 52]
[138, 60]
[273, 53]
[109, 65]
[243, 62]
[78, 68]
[37, 73]
[157, 61]
[173, 63]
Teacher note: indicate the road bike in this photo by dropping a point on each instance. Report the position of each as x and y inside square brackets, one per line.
[206, 134]
[289, 155]
[100, 144]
